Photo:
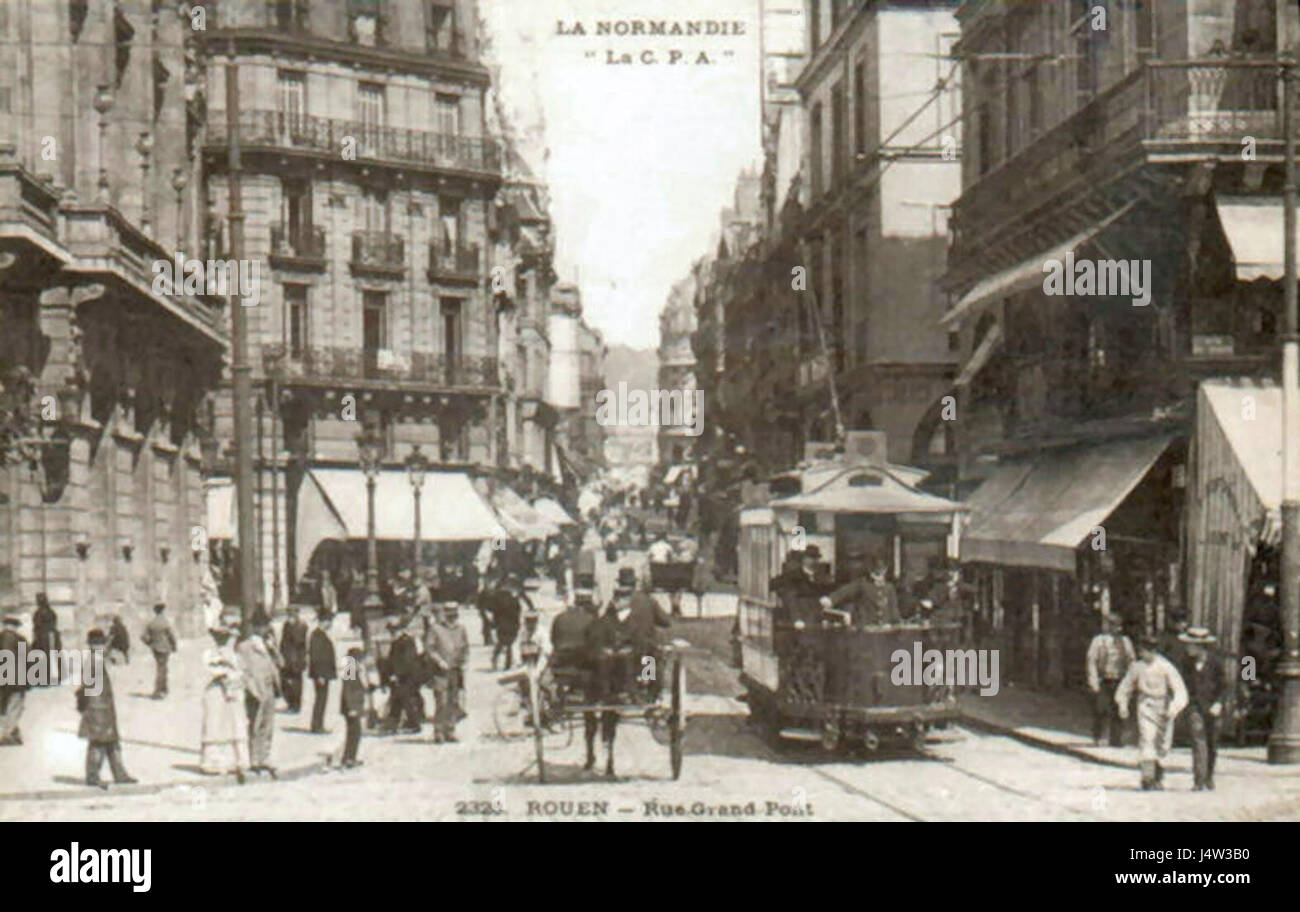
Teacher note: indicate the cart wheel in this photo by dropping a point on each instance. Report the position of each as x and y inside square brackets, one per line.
[538, 736]
[677, 719]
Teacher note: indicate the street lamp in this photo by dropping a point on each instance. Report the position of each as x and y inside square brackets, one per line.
[370, 445]
[179, 182]
[103, 101]
[144, 145]
[416, 466]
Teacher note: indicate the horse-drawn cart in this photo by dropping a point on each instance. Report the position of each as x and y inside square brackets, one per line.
[567, 700]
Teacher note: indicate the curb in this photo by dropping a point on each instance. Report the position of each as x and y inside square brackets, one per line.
[207, 782]
[1041, 743]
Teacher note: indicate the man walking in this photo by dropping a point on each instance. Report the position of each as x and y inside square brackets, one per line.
[507, 603]
[45, 627]
[99, 719]
[403, 680]
[353, 705]
[1109, 656]
[260, 677]
[448, 647]
[1161, 696]
[1204, 676]
[322, 667]
[161, 640]
[293, 649]
[13, 695]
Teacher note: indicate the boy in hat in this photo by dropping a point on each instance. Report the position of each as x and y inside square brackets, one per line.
[1204, 676]
[353, 706]
[1161, 696]
[12, 696]
[99, 719]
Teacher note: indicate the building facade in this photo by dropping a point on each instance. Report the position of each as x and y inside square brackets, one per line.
[102, 505]
[1093, 139]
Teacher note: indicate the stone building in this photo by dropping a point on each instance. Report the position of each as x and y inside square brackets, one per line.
[102, 504]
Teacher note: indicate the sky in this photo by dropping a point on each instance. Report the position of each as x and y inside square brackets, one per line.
[642, 157]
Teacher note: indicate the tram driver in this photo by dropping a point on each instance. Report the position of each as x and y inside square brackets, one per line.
[873, 599]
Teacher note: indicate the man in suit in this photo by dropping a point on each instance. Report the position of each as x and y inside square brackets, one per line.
[797, 590]
[12, 696]
[353, 707]
[403, 672]
[261, 676]
[447, 649]
[322, 668]
[293, 649]
[874, 599]
[161, 640]
[99, 719]
[569, 631]
[644, 619]
[507, 605]
[1203, 674]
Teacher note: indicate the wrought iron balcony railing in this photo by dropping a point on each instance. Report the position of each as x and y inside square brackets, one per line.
[378, 250]
[298, 243]
[326, 365]
[372, 142]
[453, 260]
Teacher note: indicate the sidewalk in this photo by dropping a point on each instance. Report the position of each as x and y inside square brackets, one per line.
[1062, 722]
[160, 738]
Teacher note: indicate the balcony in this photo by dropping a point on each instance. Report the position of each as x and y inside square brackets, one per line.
[298, 248]
[378, 253]
[1164, 111]
[324, 137]
[335, 365]
[453, 262]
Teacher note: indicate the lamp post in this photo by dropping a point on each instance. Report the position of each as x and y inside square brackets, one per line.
[179, 182]
[370, 444]
[416, 466]
[144, 145]
[103, 101]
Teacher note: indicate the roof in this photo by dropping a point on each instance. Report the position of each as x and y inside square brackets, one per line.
[866, 489]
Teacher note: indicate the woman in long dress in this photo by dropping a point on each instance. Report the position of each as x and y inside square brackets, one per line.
[225, 728]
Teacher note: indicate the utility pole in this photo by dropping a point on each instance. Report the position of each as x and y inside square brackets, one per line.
[1284, 743]
[243, 387]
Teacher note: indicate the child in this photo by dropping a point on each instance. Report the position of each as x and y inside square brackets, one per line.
[99, 720]
[353, 706]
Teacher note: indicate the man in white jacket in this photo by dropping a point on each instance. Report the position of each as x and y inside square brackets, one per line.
[1161, 696]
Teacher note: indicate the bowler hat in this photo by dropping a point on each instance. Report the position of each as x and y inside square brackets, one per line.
[626, 578]
[1197, 636]
[812, 551]
[96, 637]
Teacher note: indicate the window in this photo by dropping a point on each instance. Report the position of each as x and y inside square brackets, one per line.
[440, 27]
[837, 13]
[837, 135]
[374, 329]
[292, 96]
[860, 109]
[1144, 11]
[863, 295]
[815, 154]
[815, 23]
[984, 124]
[371, 112]
[450, 214]
[836, 333]
[447, 114]
[288, 15]
[450, 310]
[295, 320]
[295, 214]
[373, 215]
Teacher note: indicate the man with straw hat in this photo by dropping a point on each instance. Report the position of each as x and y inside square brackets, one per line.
[1161, 696]
[1203, 673]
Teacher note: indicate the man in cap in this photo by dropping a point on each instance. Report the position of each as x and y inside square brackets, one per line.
[1109, 656]
[322, 668]
[874, 598]
[13, 695]
[99, 718]
[1203, 674]
[293, 648]
[161, 640]
[447, 648]
[1161, 696]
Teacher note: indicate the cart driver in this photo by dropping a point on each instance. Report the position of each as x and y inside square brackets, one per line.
[873, 598]
[660, 550]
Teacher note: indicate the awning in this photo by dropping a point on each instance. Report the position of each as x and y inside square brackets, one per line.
[520, 520]
[1234, 497]
[1028, 273]
[221, 518]
[980, 357]
[1253, 226]
[553, 511]
[332, 506]
[867, 489]
[1035, 513]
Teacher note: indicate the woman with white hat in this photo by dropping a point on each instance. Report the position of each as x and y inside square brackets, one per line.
[225, 728]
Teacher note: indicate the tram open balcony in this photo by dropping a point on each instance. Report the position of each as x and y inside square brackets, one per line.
[325, 137]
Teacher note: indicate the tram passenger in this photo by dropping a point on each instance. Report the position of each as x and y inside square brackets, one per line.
[797, 590]
[873, 598]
